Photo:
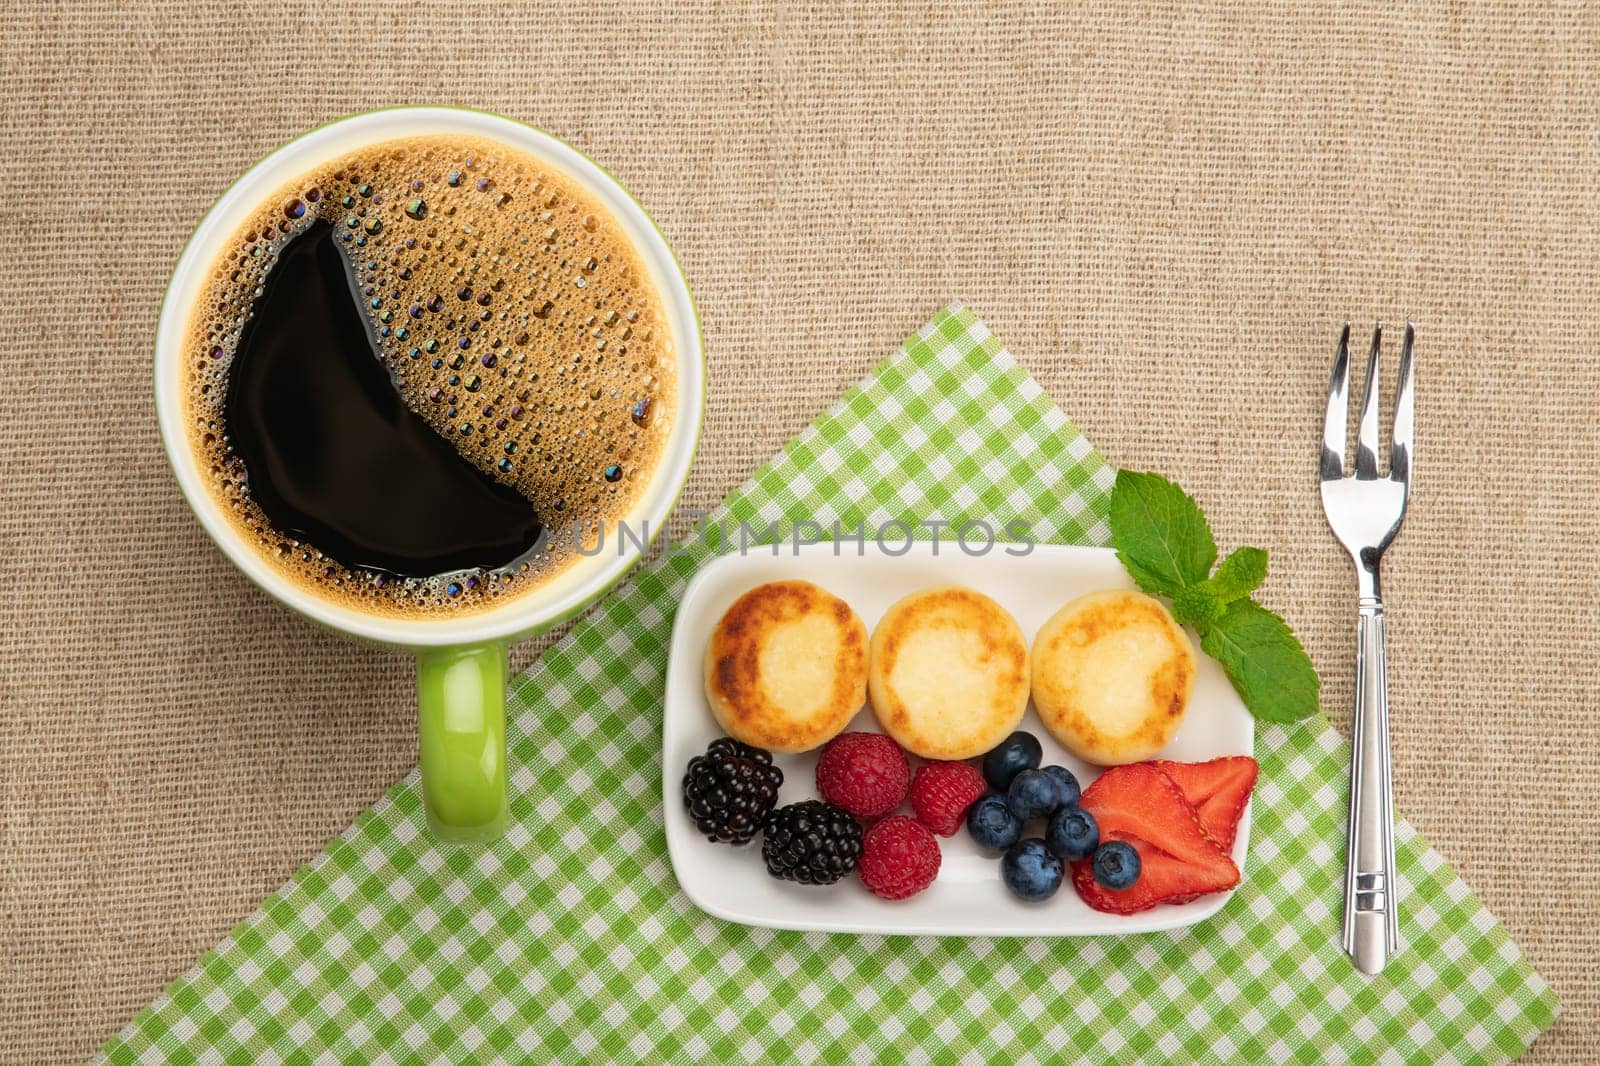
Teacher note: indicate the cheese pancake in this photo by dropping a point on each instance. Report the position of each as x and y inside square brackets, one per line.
[786, 667]
[949, 677]
[1112, 674]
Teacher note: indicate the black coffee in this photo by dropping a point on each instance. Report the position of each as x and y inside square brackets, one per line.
[333, 454]
[423, 373]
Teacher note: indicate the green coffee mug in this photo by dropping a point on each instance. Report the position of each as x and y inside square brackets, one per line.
[461, 664]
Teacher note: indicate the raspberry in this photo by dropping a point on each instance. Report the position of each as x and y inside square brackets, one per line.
[899, 858]
[865, 773]
[942, 792]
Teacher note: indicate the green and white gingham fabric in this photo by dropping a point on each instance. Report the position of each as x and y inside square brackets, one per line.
[569, 940]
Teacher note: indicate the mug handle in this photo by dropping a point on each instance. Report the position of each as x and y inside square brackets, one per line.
[461, 697]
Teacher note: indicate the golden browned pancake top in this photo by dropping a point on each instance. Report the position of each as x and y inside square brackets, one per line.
[786, 666]
[949, 673]
[1112, 674]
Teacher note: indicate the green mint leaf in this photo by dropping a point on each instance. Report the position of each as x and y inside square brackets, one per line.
[1240, 574]
[1267, 665]
[1197, 606]
[1159, 533]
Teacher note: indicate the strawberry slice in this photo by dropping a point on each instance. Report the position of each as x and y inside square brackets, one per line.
[1178, 860]
[1217, 790]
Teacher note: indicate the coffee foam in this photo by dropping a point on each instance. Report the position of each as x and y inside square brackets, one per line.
[514, 316]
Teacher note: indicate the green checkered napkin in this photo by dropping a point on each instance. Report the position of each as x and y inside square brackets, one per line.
[570, 941]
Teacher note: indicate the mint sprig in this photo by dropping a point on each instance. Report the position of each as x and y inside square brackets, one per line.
[1165, 543]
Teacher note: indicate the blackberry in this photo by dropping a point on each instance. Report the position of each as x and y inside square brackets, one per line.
[729, 790]
[812, 842]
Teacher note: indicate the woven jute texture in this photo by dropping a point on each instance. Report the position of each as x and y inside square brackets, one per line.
[1165, 211]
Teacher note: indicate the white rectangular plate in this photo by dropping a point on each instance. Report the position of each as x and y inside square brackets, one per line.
[968, 899]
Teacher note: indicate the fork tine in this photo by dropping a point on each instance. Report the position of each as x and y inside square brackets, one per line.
[1333, 430]
[1404, 410]
[1367, 439]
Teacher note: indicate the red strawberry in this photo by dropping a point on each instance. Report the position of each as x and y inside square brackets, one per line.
[941, 793]
[865, 773]
[1217, 790]
[1140, 805]
[899, 858]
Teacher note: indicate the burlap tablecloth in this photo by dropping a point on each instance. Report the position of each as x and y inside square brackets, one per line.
[1165, 213]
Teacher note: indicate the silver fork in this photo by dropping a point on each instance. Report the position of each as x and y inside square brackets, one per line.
[1365, 511]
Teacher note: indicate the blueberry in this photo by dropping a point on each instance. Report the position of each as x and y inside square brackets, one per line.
[1073, 833]
[1033, 794]
[1030, 871]
[991, 823]
[1116, 865]
[1069, 784]
[1018, 752]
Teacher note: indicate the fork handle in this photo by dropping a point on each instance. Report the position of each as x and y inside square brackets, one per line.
[1371, 923]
